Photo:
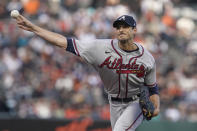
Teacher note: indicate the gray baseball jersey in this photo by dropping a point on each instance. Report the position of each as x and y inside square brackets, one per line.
[122, 72]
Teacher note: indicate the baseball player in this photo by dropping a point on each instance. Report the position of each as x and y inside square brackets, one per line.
[124, 66]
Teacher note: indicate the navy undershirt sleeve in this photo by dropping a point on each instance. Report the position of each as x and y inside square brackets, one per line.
[154, 90]
[70, 46]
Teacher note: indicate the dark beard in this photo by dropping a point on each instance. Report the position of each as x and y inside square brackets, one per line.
[123, 41]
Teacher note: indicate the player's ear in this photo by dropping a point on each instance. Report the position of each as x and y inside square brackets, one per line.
[134, 29]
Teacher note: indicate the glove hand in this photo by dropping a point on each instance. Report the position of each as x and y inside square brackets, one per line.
[147, 114]
[146, 105]
[147, 109]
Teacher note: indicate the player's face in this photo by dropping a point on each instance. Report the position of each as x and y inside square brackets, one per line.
[125, 32]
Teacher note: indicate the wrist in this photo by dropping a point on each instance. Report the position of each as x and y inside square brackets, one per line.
[156, 112]
[35, 29]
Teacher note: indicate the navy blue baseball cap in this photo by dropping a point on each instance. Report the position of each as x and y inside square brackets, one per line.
[129, 20]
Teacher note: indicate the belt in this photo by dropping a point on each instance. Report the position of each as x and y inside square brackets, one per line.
[126, 100]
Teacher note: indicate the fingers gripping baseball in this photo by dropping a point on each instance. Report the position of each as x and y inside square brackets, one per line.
[21, 21]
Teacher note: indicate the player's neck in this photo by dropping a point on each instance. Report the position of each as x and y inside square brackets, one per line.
[127, 45]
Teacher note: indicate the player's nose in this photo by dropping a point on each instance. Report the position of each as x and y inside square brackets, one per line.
[120, 29]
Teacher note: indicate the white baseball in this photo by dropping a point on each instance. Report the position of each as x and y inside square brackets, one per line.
[14, 13]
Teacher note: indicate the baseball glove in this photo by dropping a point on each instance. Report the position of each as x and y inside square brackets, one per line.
[145, 103]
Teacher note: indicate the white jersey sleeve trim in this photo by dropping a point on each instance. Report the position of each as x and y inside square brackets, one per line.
[75, 47]
[151, 85]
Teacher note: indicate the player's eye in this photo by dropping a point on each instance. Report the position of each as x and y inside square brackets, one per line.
[122, 26]
[118, 27]
[125, 26]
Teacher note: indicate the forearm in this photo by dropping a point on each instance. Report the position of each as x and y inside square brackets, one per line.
[51, 37]
[156, 101]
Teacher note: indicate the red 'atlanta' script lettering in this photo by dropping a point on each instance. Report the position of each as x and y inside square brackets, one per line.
[132, 68]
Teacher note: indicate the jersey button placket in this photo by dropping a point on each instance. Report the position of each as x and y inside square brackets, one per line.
[127, 75]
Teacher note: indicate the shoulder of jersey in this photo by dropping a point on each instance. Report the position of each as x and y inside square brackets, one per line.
[103, 42]
[147, 53]
[106, 41]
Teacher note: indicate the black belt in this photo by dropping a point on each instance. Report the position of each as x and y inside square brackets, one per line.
[133, 98]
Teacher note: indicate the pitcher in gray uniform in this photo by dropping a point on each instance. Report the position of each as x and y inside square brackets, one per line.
[124, 67]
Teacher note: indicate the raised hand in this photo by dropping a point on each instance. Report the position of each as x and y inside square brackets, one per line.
[24, 23]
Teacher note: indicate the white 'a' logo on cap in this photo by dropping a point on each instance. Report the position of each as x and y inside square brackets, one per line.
[122, 18]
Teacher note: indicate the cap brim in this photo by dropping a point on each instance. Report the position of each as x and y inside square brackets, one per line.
[118, 22]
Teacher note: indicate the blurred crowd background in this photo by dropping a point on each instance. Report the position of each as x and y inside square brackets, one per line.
[38, 80]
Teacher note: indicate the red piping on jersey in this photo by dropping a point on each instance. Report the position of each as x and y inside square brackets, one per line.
[128, 72]
[120, 66]
[119, 85]
[115, 49]
[127, 86]
[76, 48]
[137, 56]
[134, 122]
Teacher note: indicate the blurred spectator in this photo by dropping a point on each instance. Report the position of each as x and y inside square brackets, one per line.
[31, 6]
[173, 114]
